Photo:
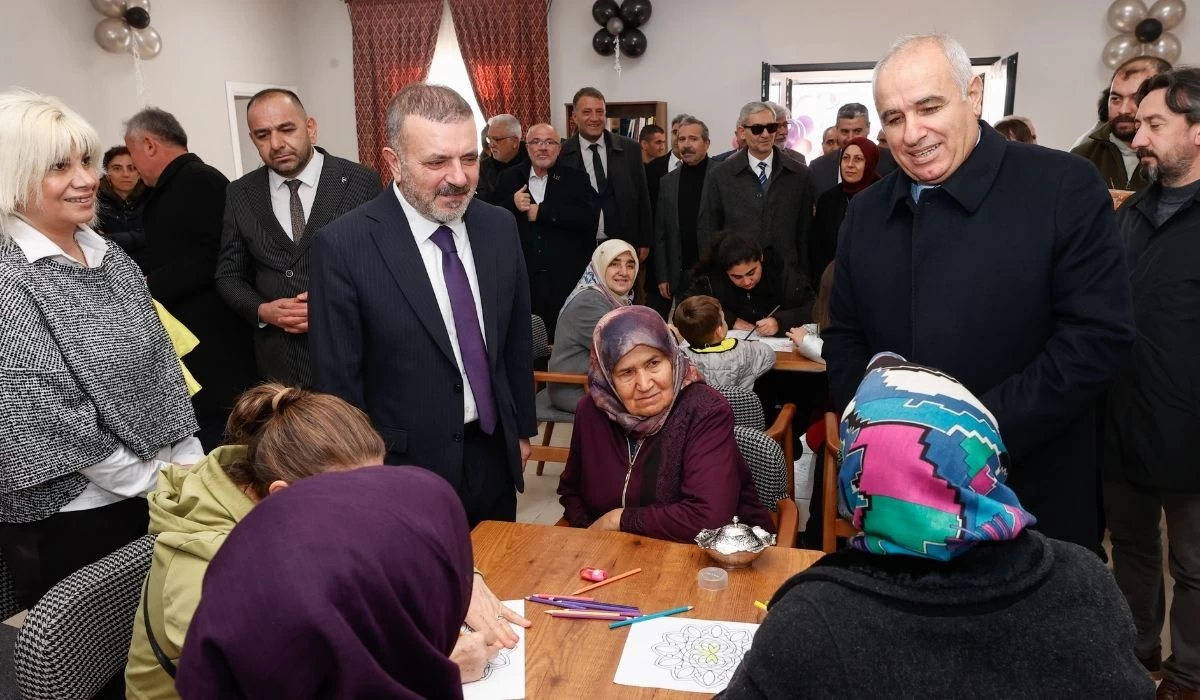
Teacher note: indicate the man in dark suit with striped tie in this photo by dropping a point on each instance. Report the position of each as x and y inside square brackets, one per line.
[420, 310]
[271, 217]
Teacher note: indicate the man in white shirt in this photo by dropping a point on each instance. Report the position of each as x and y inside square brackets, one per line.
[271, 215]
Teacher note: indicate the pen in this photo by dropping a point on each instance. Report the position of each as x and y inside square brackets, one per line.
[769, 315]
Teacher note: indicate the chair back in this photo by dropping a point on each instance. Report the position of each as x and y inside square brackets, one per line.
[832, 525]
[77, 636]
[747, 407]
[765, 458]
[541, 340]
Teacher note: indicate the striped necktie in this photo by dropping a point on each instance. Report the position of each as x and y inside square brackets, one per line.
[762, 175]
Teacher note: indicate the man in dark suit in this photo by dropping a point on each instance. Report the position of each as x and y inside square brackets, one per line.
[183, 236]
[420, 310]
[613, 163]
[760, 192]
[553, 208]
[676, 249]
[271, 217]
[995, 262]
[505, 150]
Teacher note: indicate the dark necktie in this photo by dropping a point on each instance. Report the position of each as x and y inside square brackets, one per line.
[466, 328]
[598, 168]
[297, 209]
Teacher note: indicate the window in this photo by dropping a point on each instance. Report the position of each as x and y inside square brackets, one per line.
[449, 69]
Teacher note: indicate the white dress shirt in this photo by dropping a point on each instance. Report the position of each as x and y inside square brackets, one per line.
[769, 160]
[537, 186]
[673, 162]
[122, 474]
[281, 196]
[431, 255]
[586, 152]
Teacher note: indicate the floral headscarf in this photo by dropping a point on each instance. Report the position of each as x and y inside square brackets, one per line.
[593, 276]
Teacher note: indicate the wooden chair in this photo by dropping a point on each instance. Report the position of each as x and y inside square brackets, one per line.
[548, 414]
[833, 526]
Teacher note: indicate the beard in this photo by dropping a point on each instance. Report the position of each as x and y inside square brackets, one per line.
[1128, 132]
[426, 202]
[1171, 167]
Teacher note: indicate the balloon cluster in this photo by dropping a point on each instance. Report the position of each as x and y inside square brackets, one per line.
[1143, 32]
[620, 27]
[126, 28]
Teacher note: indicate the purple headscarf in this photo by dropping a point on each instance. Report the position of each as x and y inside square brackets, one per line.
[347, 584]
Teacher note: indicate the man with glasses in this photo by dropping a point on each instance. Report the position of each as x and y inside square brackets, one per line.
[507, 151]
[759, 192]
[553, 208]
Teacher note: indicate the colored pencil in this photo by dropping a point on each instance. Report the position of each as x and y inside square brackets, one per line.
[627, 609]
[651, 616]
[559, 603]
[760, 605]
[607, 581]
[588, 615]
[551, 596]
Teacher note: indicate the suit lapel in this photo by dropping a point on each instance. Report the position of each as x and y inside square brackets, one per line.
[331, 188]
[482, 250]
[259, 194]
[398, 250]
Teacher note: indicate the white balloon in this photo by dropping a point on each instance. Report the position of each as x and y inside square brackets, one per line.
[109, 8]
[1167, 47]
[1124, 15]
[146, 42]
[1169, 12]
[144, 4]
[1120, 49]
[113, 35]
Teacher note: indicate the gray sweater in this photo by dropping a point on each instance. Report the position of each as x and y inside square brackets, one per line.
[573, 344]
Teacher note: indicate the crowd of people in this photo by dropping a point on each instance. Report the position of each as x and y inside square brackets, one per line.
[973, 296]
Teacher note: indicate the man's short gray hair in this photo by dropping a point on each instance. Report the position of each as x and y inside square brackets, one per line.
[159, 123]
[506, 123]
[689, 120]
[754, 108]
[956, 56]
[854, 110]
[780, 111]
[679, 119]
[437, 103]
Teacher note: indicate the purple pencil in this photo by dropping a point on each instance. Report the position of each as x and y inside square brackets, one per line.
[610, 607]
[569, 605]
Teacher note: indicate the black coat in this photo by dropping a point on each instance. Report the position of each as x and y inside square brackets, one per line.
[490, 171]
[1154, 404]
[183, 237]
[120, 220]
[780, 286]
[822, 242]
[1032, 618]
[627, 177]
[1010, 278]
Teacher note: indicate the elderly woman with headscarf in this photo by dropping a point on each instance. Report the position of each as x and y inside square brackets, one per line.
[945, 592]
[92, 397]
[653, 451]
[860, 162]
[607, 284]
[348, 584]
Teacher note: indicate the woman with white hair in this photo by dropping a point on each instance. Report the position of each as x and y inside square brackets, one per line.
[92, 397]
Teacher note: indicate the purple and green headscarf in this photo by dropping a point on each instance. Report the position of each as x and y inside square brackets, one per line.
[923, 465]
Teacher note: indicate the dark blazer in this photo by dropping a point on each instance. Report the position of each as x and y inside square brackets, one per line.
[490, 171]
[655, 170]
[779, 218]
[379, 341]
[259, 262]
[1009, 277]
[183, 237]
[670, 267]
[1101, 152]
[822, 243]
[627, 177]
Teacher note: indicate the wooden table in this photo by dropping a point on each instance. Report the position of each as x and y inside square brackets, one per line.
[793, 361]
[578, 658]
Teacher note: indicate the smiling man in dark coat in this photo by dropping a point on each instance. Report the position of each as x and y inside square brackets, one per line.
[995, 261]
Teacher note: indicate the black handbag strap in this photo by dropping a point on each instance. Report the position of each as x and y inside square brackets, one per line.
[166, 663]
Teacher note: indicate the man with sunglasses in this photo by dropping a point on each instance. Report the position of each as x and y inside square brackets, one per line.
[759, 192]
[507, 151]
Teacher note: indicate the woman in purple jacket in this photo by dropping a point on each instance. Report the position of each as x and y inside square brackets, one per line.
[652, 451]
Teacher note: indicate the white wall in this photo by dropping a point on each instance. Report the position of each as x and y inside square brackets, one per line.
[326, 72]
[704, 56]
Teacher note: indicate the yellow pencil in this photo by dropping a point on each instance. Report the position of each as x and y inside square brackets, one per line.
[760, 605]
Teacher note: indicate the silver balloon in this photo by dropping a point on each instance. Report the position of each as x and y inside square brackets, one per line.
[1167, 47]
[615, 26]
[1120, 49]
[146, 42]
[1124, 15]
[144, 4]
[109, 8]
[113, 35]
[1169, 12]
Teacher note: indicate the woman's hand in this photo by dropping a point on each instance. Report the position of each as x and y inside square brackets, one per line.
[767, 327]
[609, 521]
[487, 614]
[740, 325]
[797, 335]
[472, 652]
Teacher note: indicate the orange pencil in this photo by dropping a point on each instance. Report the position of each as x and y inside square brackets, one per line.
[607, 581]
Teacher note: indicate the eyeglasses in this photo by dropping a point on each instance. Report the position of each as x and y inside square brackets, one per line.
[542, 142]
[757, 129]
[491, 139]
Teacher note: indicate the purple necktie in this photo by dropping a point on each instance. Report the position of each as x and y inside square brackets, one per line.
[466, 327]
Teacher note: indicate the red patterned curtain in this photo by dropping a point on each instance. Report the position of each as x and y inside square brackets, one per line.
[393, 46]
[506, 48]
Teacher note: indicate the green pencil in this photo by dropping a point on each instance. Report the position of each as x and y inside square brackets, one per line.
[651, 616]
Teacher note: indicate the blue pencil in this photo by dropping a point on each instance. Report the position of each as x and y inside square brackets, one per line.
[651, 616]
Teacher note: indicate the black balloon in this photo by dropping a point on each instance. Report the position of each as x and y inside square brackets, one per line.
[635, 13]
[1148, 30]
[137, 17]
[604, 10]
[604, 43]
[633, 43]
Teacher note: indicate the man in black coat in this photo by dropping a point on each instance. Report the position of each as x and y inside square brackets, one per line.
[676, 249]
[1151, 465]
[271, 216]
[183, 237]
[995, 261]
[506, 150]
[553, 208]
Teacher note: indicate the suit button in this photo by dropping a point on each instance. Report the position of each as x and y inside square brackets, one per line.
[458, 388]
[458, 437]
[289, 273]
[757, 196]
